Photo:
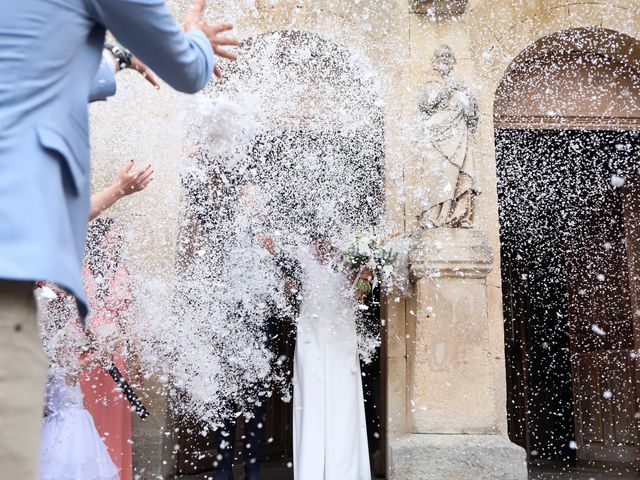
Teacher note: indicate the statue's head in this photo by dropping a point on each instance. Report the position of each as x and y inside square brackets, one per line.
[444, 60]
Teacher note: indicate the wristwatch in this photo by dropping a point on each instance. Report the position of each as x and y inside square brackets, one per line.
[123, 56]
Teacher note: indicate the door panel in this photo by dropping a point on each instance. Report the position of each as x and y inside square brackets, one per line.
[601, 326]
[605, 399]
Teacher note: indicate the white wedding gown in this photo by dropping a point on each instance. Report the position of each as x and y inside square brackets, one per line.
[329, 428]
[71, 447]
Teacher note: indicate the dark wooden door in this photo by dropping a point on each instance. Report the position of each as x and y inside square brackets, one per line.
[602, 294]
[198, 444]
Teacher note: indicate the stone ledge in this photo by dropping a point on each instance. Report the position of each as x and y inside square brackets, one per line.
[438, 8]
[450, 252]
[455, 457]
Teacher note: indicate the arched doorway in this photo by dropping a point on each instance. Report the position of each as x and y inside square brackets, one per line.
[567, 119]
[304, 97]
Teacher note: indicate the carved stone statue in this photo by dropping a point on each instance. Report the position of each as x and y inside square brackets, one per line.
[450, 119]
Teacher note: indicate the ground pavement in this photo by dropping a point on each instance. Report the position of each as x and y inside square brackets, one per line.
[276, 471]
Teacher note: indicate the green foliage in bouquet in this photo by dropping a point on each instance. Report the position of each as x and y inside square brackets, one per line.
[368, 253]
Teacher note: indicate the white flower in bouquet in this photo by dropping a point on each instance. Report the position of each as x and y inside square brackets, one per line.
[363, 245]
[387, 270]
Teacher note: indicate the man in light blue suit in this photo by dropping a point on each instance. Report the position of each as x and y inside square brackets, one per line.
[49, 53]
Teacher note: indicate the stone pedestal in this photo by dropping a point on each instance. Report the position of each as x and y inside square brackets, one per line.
[455, 403]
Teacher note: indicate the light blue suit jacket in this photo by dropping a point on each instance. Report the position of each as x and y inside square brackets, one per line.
[50, 51]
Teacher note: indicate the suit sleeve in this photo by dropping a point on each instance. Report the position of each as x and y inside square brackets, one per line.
[148, 29]
[104, 83]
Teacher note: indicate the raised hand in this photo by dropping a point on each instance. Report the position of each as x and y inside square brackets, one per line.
[214, 32]
[125, 184]
[266, 242]
[128, 183]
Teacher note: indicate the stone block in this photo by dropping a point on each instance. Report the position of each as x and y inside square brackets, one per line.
[451, 369]
[455, 457]
[439, 8]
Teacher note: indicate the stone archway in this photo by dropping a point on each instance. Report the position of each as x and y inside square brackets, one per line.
[510, 30]
[578, 78]
[566, 114]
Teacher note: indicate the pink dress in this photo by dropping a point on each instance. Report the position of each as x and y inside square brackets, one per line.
[107, 405]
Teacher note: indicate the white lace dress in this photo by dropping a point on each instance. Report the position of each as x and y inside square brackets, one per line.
[71, 448]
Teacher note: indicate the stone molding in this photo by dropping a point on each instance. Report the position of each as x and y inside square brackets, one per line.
[438, 8]
[450, 253]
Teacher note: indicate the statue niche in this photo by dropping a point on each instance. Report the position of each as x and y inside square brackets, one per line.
[449, 115]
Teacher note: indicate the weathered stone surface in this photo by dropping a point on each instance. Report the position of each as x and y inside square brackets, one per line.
[151, 447]
[455, 457]
[450, 252]
[451, 372]
[437, 8]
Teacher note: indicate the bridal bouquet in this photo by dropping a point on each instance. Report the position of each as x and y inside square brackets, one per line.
[368, 253]
[386, 259]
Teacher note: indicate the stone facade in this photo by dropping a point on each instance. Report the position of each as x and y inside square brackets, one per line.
[446, 414]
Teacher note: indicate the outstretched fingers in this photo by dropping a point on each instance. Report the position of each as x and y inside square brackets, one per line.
[221, 52]
[145, 177]
[227, 41]
[127, 168]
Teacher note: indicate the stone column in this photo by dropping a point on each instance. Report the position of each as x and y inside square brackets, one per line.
[455, 412]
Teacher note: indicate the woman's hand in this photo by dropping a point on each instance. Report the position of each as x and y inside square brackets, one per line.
[367, 274]
[364, 282]
[266, 242]
[127, 183]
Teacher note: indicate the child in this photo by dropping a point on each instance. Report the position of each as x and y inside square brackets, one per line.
[70, 447]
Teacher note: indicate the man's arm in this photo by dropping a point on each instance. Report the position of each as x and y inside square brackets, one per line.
[184, 60]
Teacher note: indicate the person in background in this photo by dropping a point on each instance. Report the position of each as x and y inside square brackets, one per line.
[70, 447]
[110, 297]
[254, 426]
[49, 55]
[107, 284]
[251, 216]
[109, 293]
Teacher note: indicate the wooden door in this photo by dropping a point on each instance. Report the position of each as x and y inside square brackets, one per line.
[603, 334]
[198, 444]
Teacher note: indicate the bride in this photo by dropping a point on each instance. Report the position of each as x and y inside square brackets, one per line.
[329, 429]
